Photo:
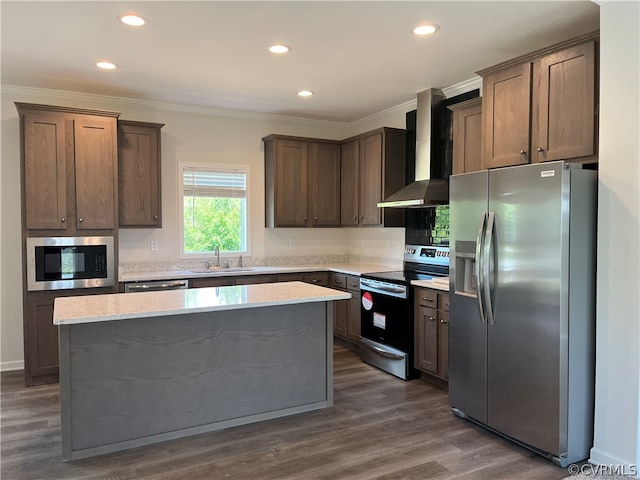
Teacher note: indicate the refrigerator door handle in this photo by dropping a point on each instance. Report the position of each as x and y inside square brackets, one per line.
[478, 266]
[486, 267]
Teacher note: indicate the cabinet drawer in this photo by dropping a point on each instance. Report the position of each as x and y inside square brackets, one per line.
[320, 278]
[290, 277]
[443, 302]
[338, 280]
[353, 282]
[427, 298]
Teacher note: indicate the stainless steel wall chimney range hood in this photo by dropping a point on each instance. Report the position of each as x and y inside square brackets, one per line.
[425, 191]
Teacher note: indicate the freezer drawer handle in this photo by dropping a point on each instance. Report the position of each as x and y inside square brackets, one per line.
[479, 262]
[486, 284]
[382, 352]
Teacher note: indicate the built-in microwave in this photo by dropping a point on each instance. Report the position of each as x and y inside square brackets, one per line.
[56, 263]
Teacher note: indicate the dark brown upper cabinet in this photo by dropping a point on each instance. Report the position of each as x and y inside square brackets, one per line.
[139, 174]
[542, 106]
[302, 182]
[69, 169]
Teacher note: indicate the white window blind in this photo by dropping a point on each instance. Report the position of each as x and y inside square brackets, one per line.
[215, 182]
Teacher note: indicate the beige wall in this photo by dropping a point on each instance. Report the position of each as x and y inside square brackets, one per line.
[199, 136]
[618, 306]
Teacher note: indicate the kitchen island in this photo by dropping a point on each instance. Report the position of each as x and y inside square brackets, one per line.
[142, 368]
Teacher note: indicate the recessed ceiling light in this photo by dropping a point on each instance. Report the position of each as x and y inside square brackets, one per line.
[425, 29]
[279, 48]
[106, 65]
[133, 20]
[305, 93]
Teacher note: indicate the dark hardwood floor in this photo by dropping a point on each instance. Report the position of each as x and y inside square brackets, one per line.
[380, 428]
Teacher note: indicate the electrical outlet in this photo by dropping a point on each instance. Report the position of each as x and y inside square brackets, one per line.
[154, 245]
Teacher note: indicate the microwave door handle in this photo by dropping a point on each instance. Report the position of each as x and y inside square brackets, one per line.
[478, 266]
[487, 267]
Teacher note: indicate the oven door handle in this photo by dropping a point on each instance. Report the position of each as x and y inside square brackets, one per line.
[382, 287]
[381, 351]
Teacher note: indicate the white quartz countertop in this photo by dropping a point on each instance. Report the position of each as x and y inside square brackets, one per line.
[440, 284]
[348, 268]
[122, 306]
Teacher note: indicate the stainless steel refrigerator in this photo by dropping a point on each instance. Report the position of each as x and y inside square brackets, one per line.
[522, 305]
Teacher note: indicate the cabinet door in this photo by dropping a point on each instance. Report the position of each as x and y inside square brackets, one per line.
[95, 167]
[564, 104]
[506, 111]
[370, 186]
[45, 177]
[443, 345]
[340, 318]
[41, 338]
[353, 316]
[139, 187]
[291, 191]
[426, 333]
[324, 184]
[467, 138]
[349, 183]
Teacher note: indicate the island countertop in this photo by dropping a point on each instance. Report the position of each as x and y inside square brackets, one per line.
[122, 306]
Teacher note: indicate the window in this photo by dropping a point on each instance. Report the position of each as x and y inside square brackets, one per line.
[213, 209]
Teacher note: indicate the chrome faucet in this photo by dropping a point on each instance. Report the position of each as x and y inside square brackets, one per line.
[217, 254]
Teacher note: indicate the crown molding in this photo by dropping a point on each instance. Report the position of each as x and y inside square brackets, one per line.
[403, 108]
[463, 87]
[68, 96]
[71, 97]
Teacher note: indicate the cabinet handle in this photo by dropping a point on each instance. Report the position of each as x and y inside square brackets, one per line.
[305, 219]
[430, 300]
[155, 217]
[361, 218]
[523, 152]
[444, 321]
[80, 220]
[315, 219]
[432, 319]
[63, 219]
[315, 280]
[540, 149]
[355, 218]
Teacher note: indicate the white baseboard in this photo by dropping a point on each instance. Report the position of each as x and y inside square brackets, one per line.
[598, 457]
[11, 366]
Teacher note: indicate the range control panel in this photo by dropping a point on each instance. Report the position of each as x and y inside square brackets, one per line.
[429, 254]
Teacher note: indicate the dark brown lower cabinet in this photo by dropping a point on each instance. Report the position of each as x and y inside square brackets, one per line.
[40, 340]
[255, 279]
[41, 335]
[431, 310]
[346, 313]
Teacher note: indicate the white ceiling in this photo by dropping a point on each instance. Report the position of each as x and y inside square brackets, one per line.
[359, 57]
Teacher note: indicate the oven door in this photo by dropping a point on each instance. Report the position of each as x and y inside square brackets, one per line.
[386, 318]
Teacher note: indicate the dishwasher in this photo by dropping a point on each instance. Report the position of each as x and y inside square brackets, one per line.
[155, 286]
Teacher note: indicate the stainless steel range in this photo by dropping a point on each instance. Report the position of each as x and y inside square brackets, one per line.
[387, 309]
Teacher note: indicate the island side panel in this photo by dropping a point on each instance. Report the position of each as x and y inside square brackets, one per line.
[139, 381]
